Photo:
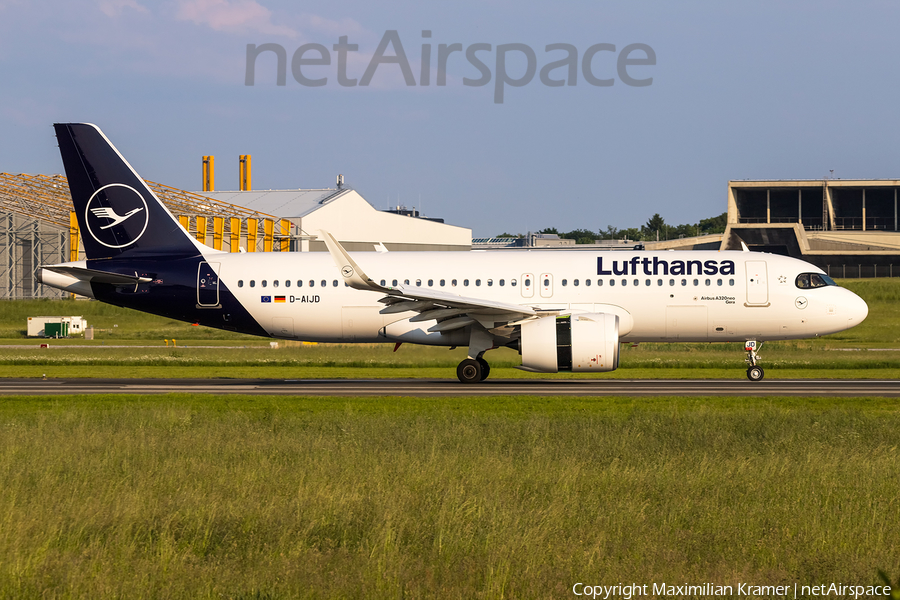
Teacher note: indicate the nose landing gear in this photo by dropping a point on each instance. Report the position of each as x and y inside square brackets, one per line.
[754, 372]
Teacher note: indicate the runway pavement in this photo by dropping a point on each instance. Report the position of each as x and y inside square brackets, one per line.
[447, 387]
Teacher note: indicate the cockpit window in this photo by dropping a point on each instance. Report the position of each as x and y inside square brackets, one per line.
[806, 281]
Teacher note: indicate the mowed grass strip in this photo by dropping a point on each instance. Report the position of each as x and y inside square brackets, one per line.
[189, 496]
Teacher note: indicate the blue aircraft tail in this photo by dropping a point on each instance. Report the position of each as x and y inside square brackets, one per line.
[118, 214]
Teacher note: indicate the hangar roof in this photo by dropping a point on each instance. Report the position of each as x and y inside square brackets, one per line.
[284, 203]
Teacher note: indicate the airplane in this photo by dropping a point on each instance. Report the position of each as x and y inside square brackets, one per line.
[562, 310]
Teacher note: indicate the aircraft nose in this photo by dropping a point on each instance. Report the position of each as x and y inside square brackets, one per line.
[857, 309]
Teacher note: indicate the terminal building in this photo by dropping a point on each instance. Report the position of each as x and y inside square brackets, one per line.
[848, 228]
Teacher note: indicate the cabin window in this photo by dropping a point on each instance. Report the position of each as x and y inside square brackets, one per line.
[394, 283]
[647, 282]
[718, 282]
[406, 282]
[287, 283]
[612, 282]
[477, 282]
[490, 282]
[512, 282]
[546, 283]
[383, 283]
[453, 283]
[502, 282]
[696, 282]
[312, 283]
[334, 283]
[466, 282]
[443, 282]
[324, 283]
[240, 283]
[587, 282]
[431, 283]
[671, 282]
[637, 282]
[565, 282]
[600, 282]
[527, 282]
[299, 283]
[275, 283]
[684, 282]
[659, 282]
[252, 283]
[731, 282]
[708, 282]
[418, 283]
[575, 283]
[265, 283]
[624, 282]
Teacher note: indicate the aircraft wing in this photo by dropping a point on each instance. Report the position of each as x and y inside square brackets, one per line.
[450, 310]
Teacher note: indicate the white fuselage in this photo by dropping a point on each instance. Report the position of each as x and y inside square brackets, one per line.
[303, 296]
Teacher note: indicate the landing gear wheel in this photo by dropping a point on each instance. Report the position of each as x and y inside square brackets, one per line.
[755, 373]
[469, 371]
[485, 368]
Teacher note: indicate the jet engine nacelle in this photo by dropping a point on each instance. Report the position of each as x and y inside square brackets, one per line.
[580, 343]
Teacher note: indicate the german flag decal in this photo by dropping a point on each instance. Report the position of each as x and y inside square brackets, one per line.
[279, 299]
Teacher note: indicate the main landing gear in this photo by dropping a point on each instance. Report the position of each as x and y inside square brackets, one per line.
[754, 372]
[473, 370]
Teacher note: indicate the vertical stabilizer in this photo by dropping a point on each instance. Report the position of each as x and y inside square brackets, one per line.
[118, 214]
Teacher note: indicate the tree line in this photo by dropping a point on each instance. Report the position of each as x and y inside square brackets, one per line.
[655, 228]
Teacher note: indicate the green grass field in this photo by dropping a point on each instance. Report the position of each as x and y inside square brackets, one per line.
[871, 350]
[254, 497]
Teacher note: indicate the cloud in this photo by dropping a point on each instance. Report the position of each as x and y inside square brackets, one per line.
[232, 16]
[114, 8]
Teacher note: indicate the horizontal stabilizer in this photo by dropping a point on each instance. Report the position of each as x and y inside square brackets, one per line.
[92, 275]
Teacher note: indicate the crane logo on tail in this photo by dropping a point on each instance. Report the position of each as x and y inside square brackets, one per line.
[116, 215]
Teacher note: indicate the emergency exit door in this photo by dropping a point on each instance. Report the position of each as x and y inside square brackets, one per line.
[757, 283]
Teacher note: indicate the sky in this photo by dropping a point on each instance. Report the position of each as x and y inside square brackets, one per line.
[695, 94]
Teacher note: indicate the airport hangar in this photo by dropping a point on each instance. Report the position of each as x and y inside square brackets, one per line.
[849, 228]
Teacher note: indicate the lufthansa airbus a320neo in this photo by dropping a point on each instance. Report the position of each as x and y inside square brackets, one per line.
[563, 311]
